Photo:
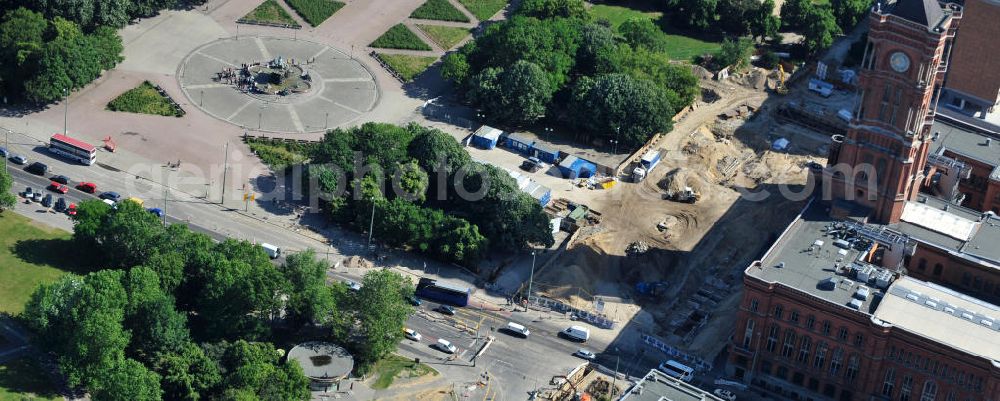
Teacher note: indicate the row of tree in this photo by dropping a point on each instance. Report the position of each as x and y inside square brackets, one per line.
[180, 317]
[51, 47]
[553, 61]
[426, 194]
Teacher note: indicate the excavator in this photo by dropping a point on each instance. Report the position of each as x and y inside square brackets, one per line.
[781, 89]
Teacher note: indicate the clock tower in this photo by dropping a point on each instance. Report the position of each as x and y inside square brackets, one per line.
[880, 163]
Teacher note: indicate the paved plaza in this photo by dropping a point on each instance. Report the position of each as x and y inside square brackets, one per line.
[342, 89]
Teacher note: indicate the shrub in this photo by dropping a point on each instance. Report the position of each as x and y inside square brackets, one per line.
[145, 99]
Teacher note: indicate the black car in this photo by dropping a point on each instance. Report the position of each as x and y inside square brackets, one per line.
[111, 196]
[414, 301]
[61, 205]
[62, 179]
[445, 309]
[47, 200]
[37, 168]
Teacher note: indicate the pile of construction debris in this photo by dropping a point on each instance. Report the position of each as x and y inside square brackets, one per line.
[636, 248]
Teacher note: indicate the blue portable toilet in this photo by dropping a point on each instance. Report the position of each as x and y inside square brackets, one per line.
[517, 143]
[544, 154]
[486, 137]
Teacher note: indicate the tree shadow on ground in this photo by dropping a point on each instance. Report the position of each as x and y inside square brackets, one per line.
[26, 379]
[62, 254]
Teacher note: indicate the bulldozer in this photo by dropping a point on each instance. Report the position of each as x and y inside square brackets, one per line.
[686, 195]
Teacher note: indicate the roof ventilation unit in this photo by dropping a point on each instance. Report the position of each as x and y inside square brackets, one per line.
[855, 304]
[827, 284]
[840, 243]
[883, 279]
[862, 293]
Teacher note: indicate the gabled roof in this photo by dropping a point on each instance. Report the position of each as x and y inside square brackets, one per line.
[925, 12]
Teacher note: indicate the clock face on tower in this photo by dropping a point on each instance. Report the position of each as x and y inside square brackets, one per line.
[899, 62]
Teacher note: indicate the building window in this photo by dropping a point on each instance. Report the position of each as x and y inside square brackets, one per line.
[813, 384]
[883, 107]
[782, 372]
[820, 359]
[937, 269]
[753, 305]
[772, 339]
[794, 318]
[852, 368]
[952, 396]
[889, 382]
[789, 346]
[765, 367]
[810, 322]
[930, 391]
[829, 390]
[826, 328]
[778, 312]
[798, 378]
[804, 346]
[842, 334]
[922, 264]
[859, 340]
[836, 361]
[904, 390]
[748, 334]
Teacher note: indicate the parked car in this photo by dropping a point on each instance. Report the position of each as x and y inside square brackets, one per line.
[87, 187]
[353, 285]
[27, 192]
[47, 200]
[531, 165]
[62, 179]
[18, 159]
[37, 196]
[57, 187]
[37, 168]
[445, 346]
[411, 334]
[111, 196]
[71, 210]
[585, 354]
[157, 211]
[61, 205]
[446, 310]
[3, 152]
[414, 301]
[724, 394]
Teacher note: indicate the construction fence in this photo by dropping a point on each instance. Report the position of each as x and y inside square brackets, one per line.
[676, 354]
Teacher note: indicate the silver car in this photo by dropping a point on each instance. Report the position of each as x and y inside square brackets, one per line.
[18, 159]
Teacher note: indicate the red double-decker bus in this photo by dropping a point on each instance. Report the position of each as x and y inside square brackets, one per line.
[73, 148]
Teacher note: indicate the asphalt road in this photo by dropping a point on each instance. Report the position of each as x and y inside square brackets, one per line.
[517, 365]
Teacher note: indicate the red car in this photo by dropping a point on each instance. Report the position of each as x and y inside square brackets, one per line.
[57, 187]
[71, 210]
[87, 187]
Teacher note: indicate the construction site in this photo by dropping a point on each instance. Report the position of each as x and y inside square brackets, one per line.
[662, 252]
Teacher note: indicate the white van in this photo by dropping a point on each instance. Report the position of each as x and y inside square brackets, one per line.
[577, 333]
[677, 370]
[272, 251]
[518, 330]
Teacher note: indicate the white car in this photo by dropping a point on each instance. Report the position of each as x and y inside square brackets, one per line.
[411, 334]
[585, 354]
[353, 285]
[724, 394]
[445, 346]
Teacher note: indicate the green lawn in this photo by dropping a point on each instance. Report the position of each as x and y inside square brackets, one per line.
[270, 12]
[484, 9]
[23, 380]
[679, 46]
[395, 366]
[315, 11]
[408, 67]
[279, 155]
[400, 37]
[144, 99]
[445, 36]
[29, 254]
[440, 10]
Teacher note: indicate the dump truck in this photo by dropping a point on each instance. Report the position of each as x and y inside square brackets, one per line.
[646, 165]
[686, 195]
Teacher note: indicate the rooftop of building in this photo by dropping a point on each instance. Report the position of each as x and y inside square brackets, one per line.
[851, 264]
[657, 386]
[965, 142]
[924, 12]
[942, 315]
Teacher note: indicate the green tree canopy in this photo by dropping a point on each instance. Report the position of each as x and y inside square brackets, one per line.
[794, 13]
[383, 312]
[820, 29]
[309, 299]
[547, 9]
[642, 32]
[849, 12]
[7, 199]
[617, 105]
[128, 380]
[516, 95]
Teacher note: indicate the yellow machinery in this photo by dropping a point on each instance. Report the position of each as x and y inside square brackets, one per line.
[781, 89]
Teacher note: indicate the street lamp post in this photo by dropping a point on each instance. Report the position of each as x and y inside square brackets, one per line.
[327, 126]
[371, 225]
[66, 113]
[617, 134]
[531, 279]
[548, 132]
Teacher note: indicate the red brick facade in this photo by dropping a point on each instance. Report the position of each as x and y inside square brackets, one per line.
[803, 348]
[935, 265]
[889, 137]
[974, 70]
